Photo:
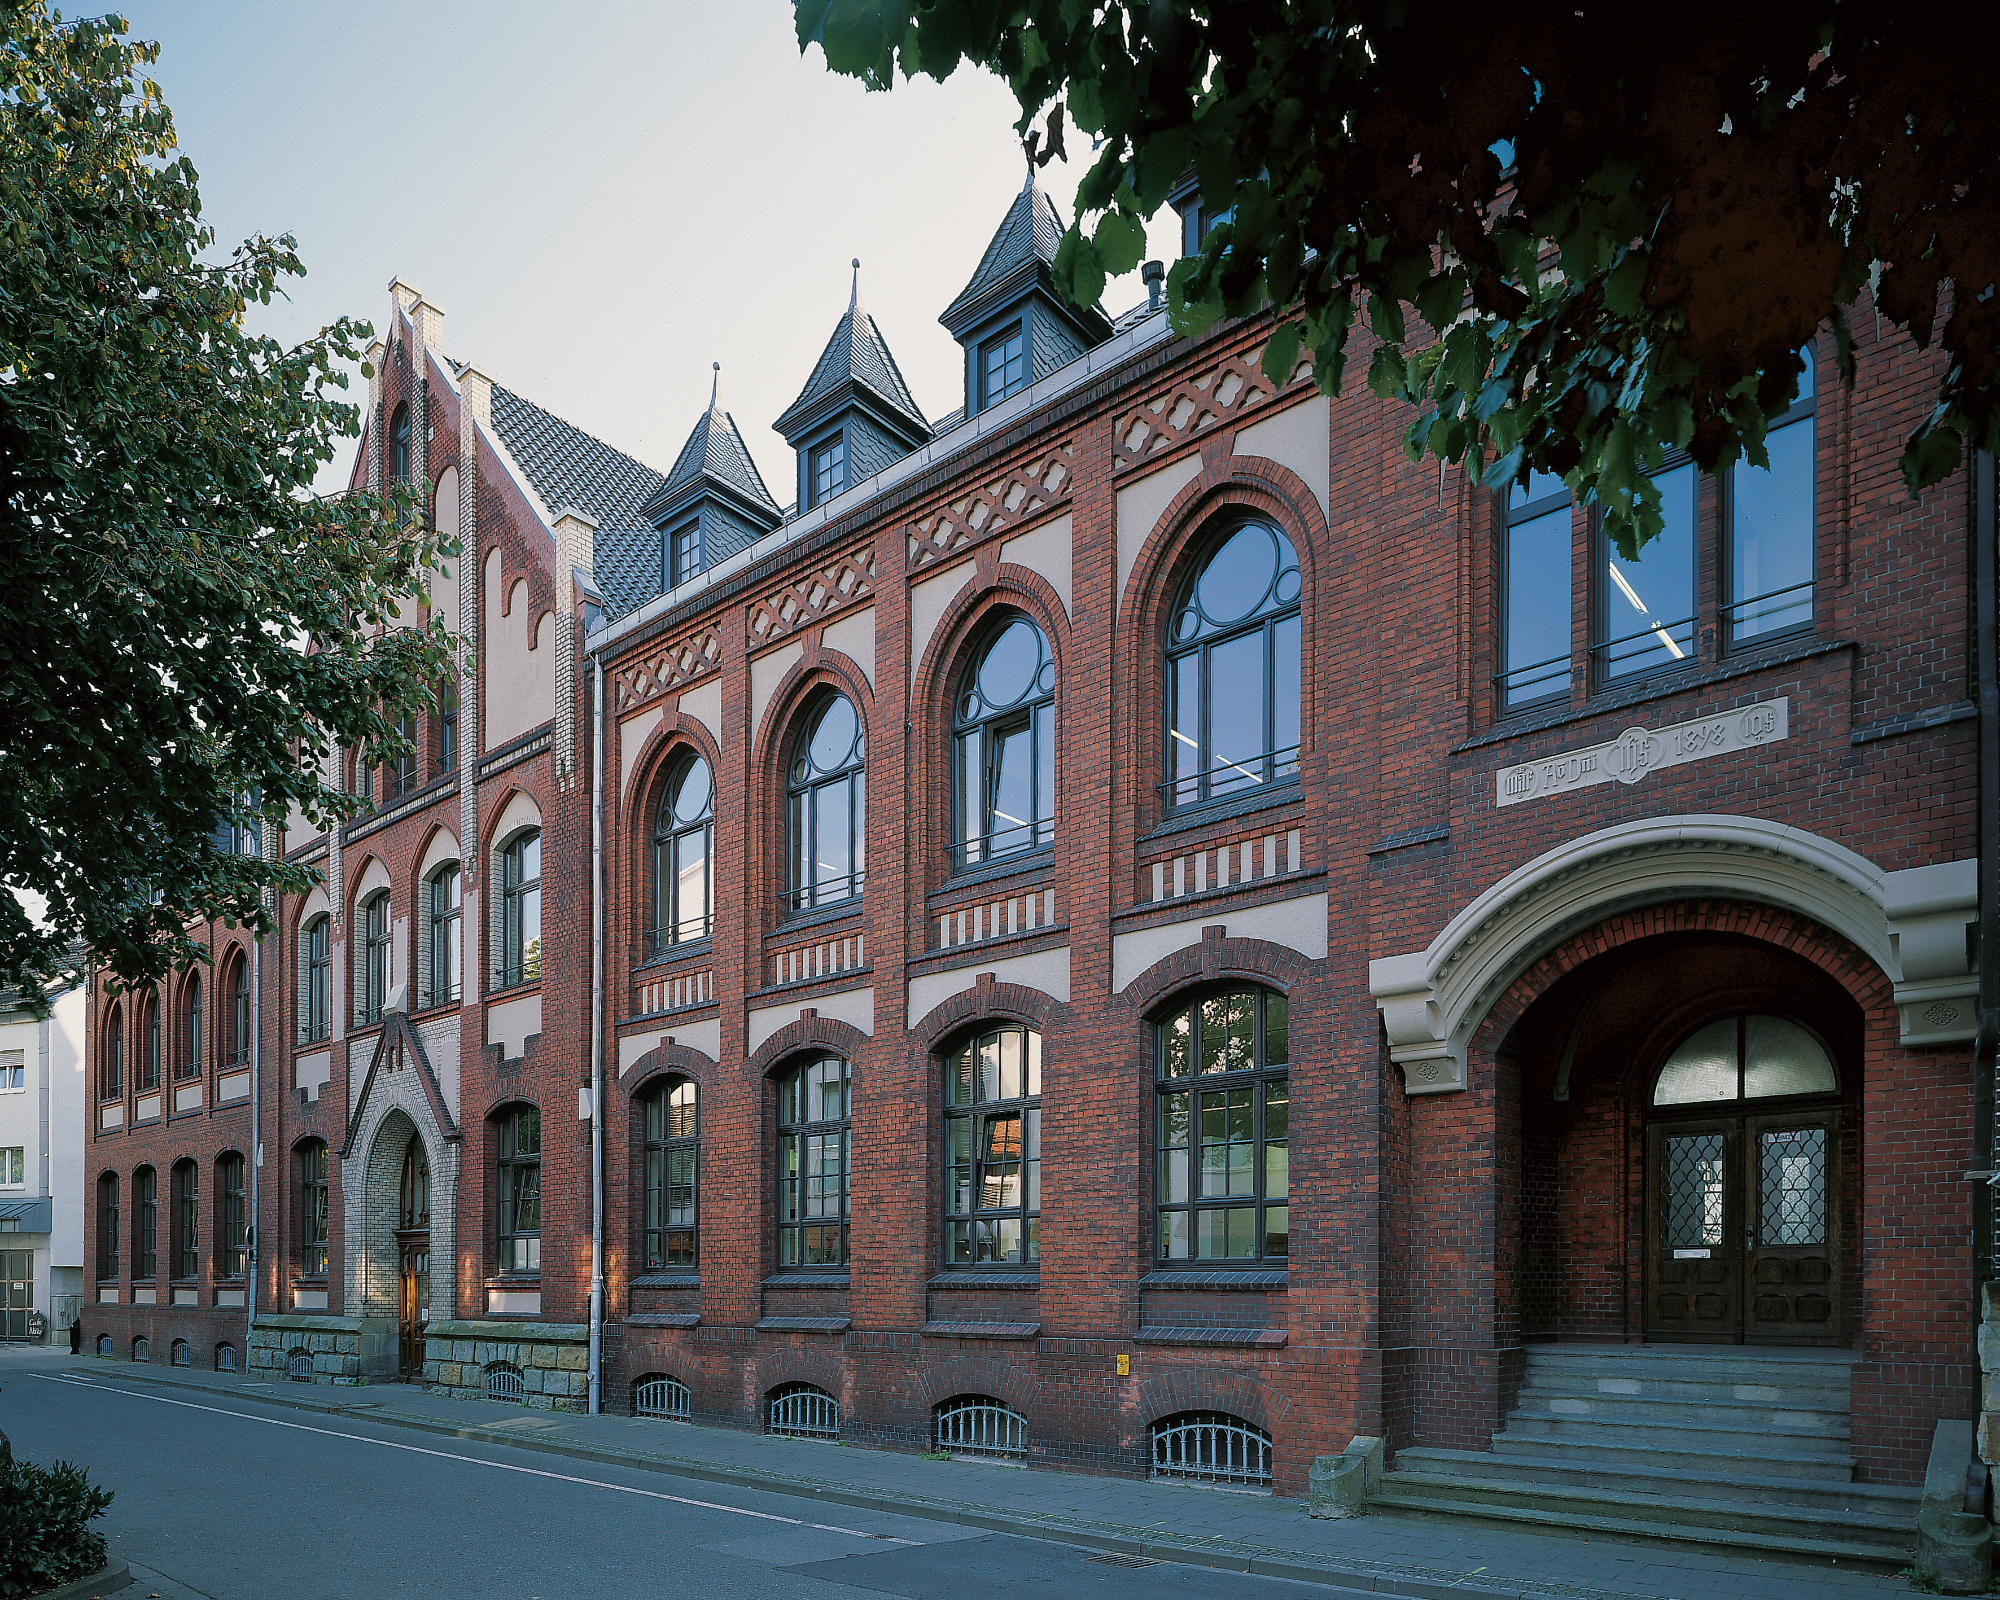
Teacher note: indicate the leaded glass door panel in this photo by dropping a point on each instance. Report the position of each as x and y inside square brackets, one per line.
[1694, 1226]
[1792, 1230]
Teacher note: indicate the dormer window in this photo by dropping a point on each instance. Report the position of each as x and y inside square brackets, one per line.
[683, 553]
[1003, 366]
[1198, 221]
[826, 474]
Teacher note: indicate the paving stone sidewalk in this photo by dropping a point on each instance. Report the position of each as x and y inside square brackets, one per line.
[1427, 1558]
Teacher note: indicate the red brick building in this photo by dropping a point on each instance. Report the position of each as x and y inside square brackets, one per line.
[1136, 926]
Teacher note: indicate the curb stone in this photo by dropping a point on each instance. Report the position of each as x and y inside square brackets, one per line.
[107, 1579]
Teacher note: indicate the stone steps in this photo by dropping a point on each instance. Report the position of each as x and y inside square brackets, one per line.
[1719, 1448]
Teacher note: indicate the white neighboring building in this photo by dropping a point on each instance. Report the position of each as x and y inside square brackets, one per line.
[41, 1164]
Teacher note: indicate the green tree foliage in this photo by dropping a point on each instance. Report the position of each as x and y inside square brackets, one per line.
[1618, 225]
[182, 623]
[46, 1538]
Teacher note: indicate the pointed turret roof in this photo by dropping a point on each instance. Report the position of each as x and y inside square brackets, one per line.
[855, 367]
[715, 460]
[1018, 258]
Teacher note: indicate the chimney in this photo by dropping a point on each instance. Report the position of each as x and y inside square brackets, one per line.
[1155, 274]
[475, 387]
[427, 317]
[404, 293]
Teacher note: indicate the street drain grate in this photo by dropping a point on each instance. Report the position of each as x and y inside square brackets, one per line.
[1115, 1558]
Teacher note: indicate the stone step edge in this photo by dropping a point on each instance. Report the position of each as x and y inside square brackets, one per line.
[1654, 1453]
[1673, 1430]
[1583, 1384]
[1838, 1424]
[1909, 1493]
[1874, 1522]
[1655, 1532]
[1829, 1374]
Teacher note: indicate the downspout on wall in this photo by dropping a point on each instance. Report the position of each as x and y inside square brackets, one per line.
[596, 1033]
[1986, 674]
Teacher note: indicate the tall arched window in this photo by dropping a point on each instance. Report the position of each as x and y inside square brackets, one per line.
[520, 1189]
[673, 1157]
[232, 1243]
[441, 896]
[815, 1151]
[239, 1013]
[1003, 727]
[828, 807]
[375, 937]
[146, 1231]
[149, 1057]
[190, 1064]
[413, 1208]
[112, 1084]
[993, 1149]
[312, 1208]
[1233, 669]
[399, 444]
[107, 1226]
[316, 1022]
[683, 842]
[521, 909]
[1222, 1129]
[187, 1220]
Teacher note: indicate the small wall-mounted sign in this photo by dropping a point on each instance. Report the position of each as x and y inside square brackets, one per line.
[1690, 1255]
[1638, 752]
[1124, 1366]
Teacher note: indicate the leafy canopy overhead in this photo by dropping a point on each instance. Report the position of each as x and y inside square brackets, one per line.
[182, 624]
[1691, 195]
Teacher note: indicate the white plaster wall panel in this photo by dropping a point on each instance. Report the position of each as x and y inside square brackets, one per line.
[1045, 550]
[1298, 437]
[854, 637]
[509, 1024]
[633, 732]
[855, 1007]
[766, 673]
[1046, 970]
[511, 708]
[311, 1074]
[929, 601]
[1299, 923]
[444, 580]
[376, 877]
[542, 669]
[704, 1036]
[521, 812]
[705, 706]
[441, 1040]
[398, 998]
[443, 848]
[298, 831]
[1139, 508]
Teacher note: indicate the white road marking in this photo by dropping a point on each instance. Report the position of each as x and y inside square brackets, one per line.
[498, 1466]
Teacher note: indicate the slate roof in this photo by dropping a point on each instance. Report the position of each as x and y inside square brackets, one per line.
[716, 457]
[855, 357]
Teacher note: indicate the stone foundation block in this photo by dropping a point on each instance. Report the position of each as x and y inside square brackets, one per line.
[1340, 1486]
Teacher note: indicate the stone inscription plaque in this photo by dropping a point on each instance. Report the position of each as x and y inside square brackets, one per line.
[1639, 751]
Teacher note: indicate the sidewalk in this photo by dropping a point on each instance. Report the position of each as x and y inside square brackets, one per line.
[1429, 1558]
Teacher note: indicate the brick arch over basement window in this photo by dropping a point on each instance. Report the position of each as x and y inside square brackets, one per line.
[810, 1034]
[938, 1381]
[801, 1364]
[1216, 959]
[1202, 1388]
[989, 1000]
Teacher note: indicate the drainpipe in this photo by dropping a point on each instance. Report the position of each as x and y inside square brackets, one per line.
[596, 1033]
[1986, 673]
[256, 1146]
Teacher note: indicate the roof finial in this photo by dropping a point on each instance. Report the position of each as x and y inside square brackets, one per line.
[854, 296]
[715, 385]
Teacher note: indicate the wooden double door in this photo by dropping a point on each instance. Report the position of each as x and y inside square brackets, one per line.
[413, 1305]
[1743, 1228]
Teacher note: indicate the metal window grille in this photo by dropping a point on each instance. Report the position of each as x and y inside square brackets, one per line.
[142, 1349]
[503, 1382]
[659, 1396]
[225, 1358]
[979, 1425]
[800, 1411]
[104, 1346]
[180, 1354]
[299, 1366]
[1212, 1447]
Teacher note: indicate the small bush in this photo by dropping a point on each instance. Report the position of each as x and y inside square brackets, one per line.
[45, 1533]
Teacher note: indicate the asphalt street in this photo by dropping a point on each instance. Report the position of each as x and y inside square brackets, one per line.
[227, 1500]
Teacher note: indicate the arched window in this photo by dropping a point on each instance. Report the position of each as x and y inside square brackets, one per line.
[374, 975]
[112, 1086]
[413, 1206]
[980, 1425]
[1745, 1058]
[239, 1013]
[399, 444]
[520, 1189]
[190, 1066]
[146, 1233]
[1003, 727]
[521, 909]
[683, 842]
[107, 1226]
[802, 1411]
[814, 1163]
[828, 798]
[187, 1220]
[1222, 1149]
[1233, 669]
[315, 1023]
[441, 905]
[993, 1149]
[149, 1056]
[1212, 1447]
[673, 1152]
[312, 1208]
[232, 1245]
[364, 776]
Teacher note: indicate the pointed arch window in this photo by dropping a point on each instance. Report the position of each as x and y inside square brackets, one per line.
[232, 1247]
[375, 938]
[521, 909]
[190, 1064]
[442, 906]
[107, 1225]
[1003, 730]
[146, 1232]
[673, 1160]
[827, 795]
[239, 1014]
[1233, 669]
[149, 1057]
[683, 845]
[319, 969]
[399, 444]
[187, 1220]
[112, 1086]
[815, 1161]
[312, 1208]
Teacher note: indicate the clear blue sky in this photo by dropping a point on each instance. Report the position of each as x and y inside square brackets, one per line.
[604, 195]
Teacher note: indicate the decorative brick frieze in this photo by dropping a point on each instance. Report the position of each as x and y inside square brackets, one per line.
[678, 991]
[663, 668]
[1212, 395]
[802, 963]
[1240, 861]
[813, 597]
[1019, 492]
[983, 919]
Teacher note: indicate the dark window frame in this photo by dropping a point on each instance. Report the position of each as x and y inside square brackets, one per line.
[805, 783]
[1802, 413]
[318, 1020]
[377, 930]
[312, 1181]
[444, 977]
[670, 1127]
[518, 1216]
[971, 1156]
[827, 469]
[413, 1188]
[672, 829]
[799, 1231]
[682, 551]
[1604, 673]
[1509, 517]
[520, 956]
[112, 1078]
[186, 1230]
[107, 1227]
[447, 726]
[232, 1242]
[1011, 345]
[145, 1224]
[149, 1056]
[975, 726]
[191, 1065]
[239, 1013]
[400, 442]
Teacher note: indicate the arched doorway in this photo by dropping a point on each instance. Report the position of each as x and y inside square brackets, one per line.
[413, 1251]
